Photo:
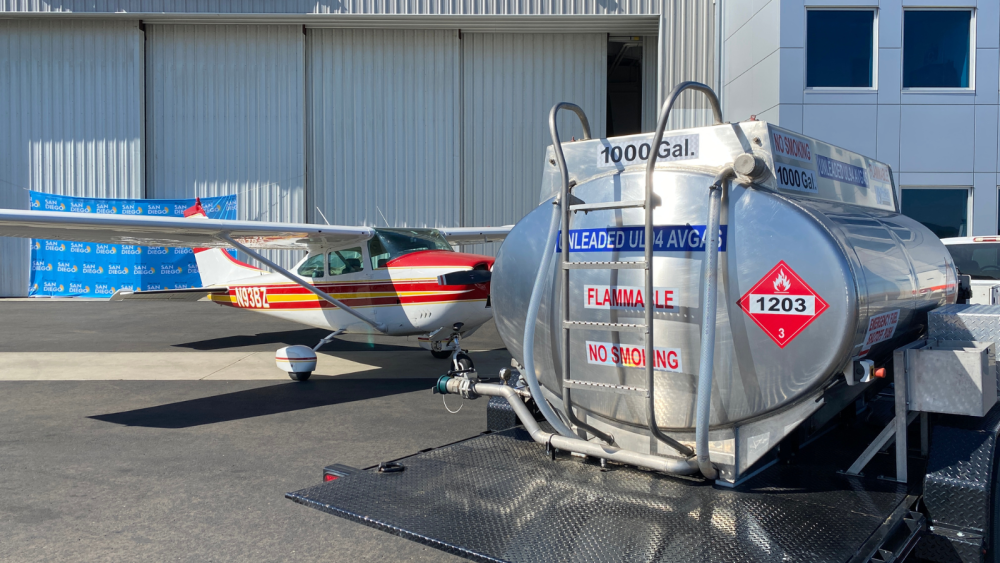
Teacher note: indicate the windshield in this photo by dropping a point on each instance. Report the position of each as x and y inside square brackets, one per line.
[978, 261]
[393, 243]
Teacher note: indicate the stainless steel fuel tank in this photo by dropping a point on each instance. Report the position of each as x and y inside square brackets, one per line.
[817, 268]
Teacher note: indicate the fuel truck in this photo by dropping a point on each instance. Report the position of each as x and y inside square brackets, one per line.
[728, 345]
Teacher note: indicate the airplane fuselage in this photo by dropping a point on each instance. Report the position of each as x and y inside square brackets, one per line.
[403, 294]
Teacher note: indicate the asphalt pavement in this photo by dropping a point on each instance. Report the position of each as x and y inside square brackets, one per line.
[126, 468]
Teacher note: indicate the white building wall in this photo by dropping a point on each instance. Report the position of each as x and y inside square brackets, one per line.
[383, 127]
[70, 119]
[381, 7]
[510, 83]
[226, 115]
[940, 139]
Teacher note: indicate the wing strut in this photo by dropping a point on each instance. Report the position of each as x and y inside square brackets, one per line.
[322, 295]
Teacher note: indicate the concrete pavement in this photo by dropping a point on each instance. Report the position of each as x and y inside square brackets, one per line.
[221, 366]
[194, 466]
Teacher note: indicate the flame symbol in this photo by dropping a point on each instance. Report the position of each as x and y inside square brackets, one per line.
[781, 283]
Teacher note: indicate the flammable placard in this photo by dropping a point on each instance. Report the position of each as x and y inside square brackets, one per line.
[631, 297]
[782, 304]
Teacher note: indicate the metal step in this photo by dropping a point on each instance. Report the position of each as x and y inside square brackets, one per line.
[627, 204]
[593, 386]
[639, 265]
[619, 327]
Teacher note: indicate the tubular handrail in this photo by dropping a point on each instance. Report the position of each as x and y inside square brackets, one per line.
[564, 257]
[661, 126]
[528, 341]
[572, 444]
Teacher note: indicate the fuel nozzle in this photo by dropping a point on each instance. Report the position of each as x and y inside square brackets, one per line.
[447, 385]
[441, 387]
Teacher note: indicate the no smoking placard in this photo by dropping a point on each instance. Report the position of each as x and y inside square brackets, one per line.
[782, 304]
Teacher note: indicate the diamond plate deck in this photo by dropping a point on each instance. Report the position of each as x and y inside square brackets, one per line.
[500, 415]
[497, 497]
[960, 487]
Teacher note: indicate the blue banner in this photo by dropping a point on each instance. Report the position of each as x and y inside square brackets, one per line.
[666, 238]
[87, 269]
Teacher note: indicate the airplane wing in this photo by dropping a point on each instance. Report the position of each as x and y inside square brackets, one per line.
[474, 235]
[171, 231]
[187, 294]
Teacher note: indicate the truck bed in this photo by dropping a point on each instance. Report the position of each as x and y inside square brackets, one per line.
[498, 497]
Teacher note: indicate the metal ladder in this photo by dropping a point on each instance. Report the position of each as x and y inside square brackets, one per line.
[569, 204]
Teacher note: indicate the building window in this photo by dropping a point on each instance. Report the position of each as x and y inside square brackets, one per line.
[945, 211]
[998, 209]
[840, 48]
[937, 48]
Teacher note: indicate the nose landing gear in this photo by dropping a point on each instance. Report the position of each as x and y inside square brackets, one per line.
[451, 349]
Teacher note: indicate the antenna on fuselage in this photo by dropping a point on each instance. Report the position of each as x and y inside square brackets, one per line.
[321, 215]
[383, 216]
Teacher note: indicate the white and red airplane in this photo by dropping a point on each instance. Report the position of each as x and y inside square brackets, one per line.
[396, 282]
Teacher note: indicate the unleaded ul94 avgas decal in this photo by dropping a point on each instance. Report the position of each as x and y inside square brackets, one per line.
[666, 238]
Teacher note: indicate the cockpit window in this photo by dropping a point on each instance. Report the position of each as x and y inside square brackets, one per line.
[312, 267]
[393, 243]
[346, 261]
[979, 261]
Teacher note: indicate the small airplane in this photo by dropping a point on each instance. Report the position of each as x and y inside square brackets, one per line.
[353, 280]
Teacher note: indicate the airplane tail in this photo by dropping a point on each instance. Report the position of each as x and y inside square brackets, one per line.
[217, 266]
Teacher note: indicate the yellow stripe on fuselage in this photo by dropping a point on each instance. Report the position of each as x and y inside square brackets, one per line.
[299, 297]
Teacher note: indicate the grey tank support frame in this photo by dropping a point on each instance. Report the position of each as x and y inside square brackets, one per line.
[502, 497]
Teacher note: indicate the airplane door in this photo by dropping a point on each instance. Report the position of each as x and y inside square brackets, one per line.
[348, 280]
[380, 285]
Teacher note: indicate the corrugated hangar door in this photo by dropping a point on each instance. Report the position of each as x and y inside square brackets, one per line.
[510, 82]
[225, 115]
[383, 127]
[70, 119]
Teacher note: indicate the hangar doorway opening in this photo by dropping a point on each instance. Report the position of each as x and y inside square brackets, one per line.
[625, 85]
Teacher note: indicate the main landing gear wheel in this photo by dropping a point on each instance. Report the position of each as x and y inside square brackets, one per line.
[441, 354]
[300, 376]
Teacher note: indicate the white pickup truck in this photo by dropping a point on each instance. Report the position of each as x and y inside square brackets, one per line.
[979, 258]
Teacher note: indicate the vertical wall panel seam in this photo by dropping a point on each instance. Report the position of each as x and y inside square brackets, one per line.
[464, 186]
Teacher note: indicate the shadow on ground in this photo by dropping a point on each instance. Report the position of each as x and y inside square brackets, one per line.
[306, 337]
[263, 401]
